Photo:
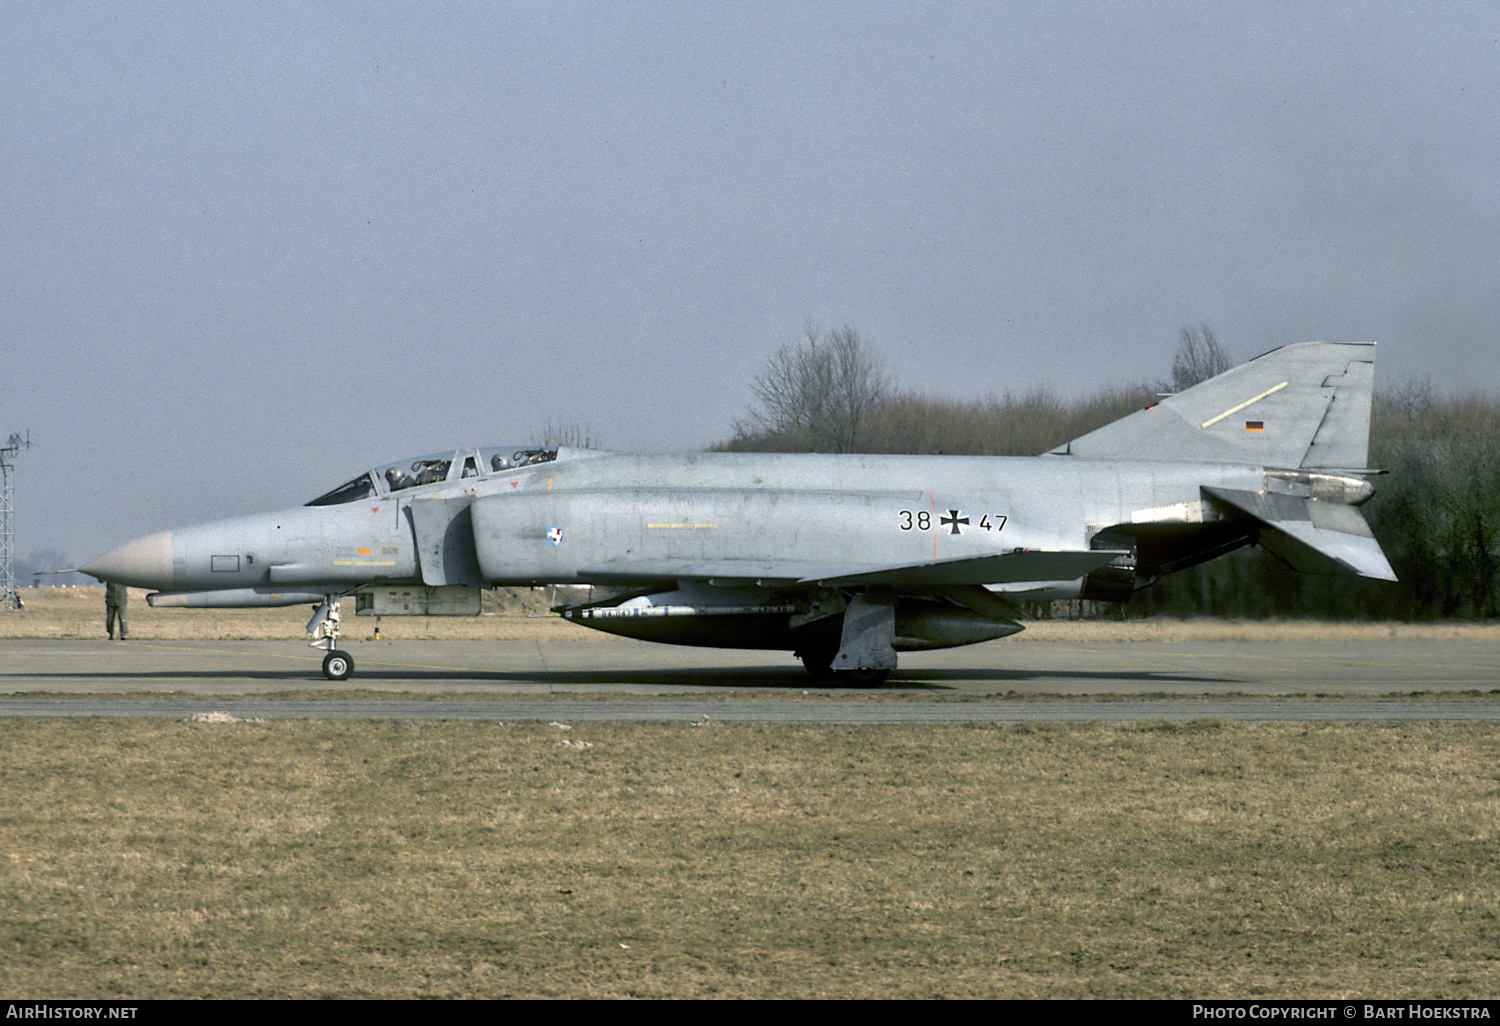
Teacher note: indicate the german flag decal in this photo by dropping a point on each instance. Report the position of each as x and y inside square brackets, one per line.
[1256, 426]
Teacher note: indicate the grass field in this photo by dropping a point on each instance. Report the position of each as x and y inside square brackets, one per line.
[145, 859]
[151, 859]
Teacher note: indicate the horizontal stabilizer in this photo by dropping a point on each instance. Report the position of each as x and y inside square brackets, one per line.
[1003, 568]
[1302, 526]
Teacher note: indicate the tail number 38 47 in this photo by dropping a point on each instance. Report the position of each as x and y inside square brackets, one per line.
[954, 521]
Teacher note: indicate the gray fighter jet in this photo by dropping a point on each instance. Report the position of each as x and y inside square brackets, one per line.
[843, 560]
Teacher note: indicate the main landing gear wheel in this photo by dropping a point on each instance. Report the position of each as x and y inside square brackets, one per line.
[819, 662]
[861, 678]
[338, 665]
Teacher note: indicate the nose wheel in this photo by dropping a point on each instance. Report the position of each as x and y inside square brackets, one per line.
[338, 665]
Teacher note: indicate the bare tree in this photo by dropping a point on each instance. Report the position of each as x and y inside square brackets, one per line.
[569, 433]
[1198, 358]
[821, 388]
[1410, 397]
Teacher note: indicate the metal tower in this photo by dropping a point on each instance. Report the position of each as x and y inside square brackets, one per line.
[10, 598]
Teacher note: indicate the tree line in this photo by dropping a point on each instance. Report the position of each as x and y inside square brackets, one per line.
[1436, 510]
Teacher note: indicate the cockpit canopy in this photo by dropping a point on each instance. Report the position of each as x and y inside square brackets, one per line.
[434, 468]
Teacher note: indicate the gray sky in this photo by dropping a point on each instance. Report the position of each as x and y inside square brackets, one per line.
[249, 249]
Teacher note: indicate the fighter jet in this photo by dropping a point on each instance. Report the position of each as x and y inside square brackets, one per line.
[843, 560]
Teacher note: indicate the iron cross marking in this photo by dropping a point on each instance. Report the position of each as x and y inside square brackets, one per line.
[952, 520]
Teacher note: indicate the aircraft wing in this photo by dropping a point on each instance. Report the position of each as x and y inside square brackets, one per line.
[1002, 568]
[1005, 568]
[1331, 529]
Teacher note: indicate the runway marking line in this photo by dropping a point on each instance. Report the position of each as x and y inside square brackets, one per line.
[1288, 659]
[306, 658]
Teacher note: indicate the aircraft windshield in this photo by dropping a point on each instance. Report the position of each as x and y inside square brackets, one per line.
[434, 469]
[360, 488]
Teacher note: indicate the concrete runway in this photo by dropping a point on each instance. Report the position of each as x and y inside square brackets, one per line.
[510, 680]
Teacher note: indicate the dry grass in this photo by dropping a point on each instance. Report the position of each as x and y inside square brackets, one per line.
[521, 615]
[508, 614]
[383, 859]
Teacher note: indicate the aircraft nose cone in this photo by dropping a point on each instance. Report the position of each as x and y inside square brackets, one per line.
[143, 563]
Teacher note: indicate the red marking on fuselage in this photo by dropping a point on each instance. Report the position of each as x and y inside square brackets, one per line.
[934, 520]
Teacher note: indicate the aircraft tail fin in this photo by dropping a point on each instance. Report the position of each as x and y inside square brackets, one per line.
[1304, 405]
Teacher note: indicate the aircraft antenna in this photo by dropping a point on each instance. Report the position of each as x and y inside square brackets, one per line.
[10, 598]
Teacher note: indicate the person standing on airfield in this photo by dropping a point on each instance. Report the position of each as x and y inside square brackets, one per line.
[115, 597]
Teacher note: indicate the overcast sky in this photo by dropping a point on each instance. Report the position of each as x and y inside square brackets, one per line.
[250, 249]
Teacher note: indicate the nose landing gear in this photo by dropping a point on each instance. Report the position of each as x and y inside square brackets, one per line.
[324, 626]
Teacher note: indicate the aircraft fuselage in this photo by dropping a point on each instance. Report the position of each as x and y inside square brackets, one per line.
[631, 519]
